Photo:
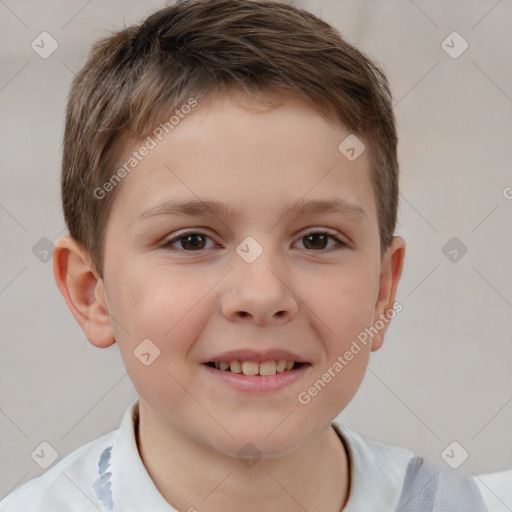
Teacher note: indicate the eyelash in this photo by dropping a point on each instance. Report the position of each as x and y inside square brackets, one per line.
[340, 243]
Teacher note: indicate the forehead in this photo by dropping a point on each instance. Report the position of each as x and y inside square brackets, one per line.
[250, 158]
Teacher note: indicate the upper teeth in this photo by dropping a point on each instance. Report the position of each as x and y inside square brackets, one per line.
[255, 368]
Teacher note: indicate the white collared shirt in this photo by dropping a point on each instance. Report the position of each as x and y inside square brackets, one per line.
[107, 474]
[496, 489]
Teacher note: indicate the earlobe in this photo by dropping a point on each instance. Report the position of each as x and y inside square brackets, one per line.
[83, 290]
[391, 271]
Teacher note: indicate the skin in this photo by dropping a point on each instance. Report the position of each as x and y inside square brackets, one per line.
[196, 303]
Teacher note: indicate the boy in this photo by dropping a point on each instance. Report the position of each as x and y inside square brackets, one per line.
[230, 184]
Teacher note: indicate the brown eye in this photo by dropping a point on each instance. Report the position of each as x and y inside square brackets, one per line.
[190, 242]
[318, 240]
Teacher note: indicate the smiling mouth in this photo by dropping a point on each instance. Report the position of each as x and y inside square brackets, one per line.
[263, 369]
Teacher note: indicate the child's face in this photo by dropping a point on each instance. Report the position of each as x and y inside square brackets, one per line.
[204, 296]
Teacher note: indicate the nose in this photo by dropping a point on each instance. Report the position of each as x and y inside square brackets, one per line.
[260, 292]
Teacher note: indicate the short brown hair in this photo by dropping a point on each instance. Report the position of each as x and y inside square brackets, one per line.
[134, 78]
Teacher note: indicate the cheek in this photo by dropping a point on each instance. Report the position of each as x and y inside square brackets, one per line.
[344, 304]
[343, 311]
[157, 321]
[161, 306]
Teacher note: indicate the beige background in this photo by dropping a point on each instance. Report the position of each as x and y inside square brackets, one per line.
[444, 373]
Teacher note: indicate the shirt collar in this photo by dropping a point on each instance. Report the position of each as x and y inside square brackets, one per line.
[132, 486]
[376, 471]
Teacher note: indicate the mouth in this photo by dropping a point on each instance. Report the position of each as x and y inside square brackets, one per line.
[256, 368]
[257, 377]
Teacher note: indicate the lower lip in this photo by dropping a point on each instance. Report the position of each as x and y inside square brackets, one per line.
[257, 383]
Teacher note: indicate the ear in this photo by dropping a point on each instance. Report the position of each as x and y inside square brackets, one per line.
[83, 290]
[391, 270]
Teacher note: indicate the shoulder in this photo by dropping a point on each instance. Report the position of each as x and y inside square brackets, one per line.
[404, 480]
[71, 480]
[439, 489]
[496, 489]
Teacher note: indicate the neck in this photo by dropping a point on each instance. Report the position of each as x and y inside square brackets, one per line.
[194, 477]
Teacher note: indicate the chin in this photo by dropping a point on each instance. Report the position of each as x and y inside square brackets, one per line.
[268, 439]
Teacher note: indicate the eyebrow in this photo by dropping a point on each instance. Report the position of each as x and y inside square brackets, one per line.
[196, 207]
